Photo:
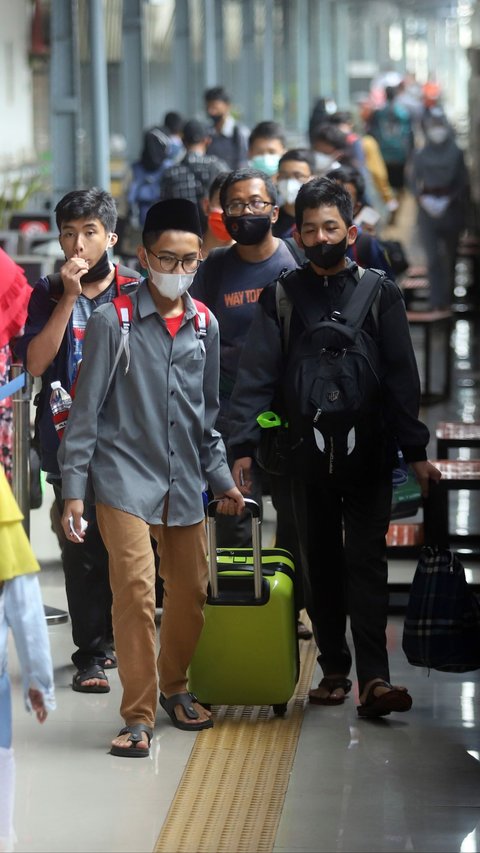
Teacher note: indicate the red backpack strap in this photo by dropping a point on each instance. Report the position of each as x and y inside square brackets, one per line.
[124, 308]
[125, 275]
[202, 318]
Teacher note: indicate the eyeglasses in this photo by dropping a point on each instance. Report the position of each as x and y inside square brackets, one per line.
[256, 206]
[168, 263]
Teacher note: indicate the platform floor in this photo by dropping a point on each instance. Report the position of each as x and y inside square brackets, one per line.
[405, 783]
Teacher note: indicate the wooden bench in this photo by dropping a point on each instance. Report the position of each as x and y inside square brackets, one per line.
[418, 271]
[456, 474]
[404, 539]
[429, 322]
[414, 290]
[456, 434]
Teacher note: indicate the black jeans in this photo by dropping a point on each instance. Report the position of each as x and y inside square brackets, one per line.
[286, 535]
[342, 531]
[88, 591]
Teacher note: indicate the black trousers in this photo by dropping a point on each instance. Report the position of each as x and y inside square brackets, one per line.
[342, 531]
[286, 535]
[88, 591]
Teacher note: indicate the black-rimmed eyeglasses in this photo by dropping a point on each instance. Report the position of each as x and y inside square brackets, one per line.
[169, 263]
[256, 206]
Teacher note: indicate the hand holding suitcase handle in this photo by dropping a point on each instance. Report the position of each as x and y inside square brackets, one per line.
[254, 510]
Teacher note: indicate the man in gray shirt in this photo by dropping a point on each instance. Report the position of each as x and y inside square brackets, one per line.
[149, 443]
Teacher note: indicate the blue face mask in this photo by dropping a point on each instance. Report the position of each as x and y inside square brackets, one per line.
[267, 163]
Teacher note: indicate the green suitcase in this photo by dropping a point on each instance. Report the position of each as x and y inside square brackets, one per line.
[248, 650]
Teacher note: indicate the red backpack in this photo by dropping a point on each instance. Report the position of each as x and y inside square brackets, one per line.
[124, 308]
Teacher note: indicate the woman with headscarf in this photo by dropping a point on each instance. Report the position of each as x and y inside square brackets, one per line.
[440, 184]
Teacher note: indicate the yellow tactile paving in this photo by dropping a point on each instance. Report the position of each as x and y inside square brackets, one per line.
[231, 794]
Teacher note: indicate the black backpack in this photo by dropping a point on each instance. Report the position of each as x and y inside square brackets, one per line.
[332, 386]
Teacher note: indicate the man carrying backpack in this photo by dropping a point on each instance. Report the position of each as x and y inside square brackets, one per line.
[51, 347]
[191, 178]
[342, 362]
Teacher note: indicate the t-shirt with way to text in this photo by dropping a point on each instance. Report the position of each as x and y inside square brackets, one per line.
[230, 287]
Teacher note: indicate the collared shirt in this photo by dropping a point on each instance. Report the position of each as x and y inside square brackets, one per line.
[152, 432]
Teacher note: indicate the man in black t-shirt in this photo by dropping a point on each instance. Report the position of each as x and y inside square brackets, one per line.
[229, 138]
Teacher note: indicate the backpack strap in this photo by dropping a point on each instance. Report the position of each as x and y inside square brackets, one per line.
[124, 308]
[353, 314]
[361, 299]
[55, 286]
[202, 318]
[284, 308]
[297, 253]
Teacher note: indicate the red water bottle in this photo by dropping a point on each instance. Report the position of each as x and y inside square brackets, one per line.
[60, 402]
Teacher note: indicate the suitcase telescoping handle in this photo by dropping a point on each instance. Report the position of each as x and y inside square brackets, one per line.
[254, 509]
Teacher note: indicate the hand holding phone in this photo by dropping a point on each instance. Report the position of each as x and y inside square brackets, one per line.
[83, 527]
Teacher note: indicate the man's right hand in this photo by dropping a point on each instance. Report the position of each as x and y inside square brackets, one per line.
[72, 272]
[242, 474]
[73, 508]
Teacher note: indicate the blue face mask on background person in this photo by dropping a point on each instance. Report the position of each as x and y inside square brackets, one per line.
[267, 163]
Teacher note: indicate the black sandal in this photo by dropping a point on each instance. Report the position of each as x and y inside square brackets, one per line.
[186, 700]
[83, 675]
[135, 732]
[331, 684]
[381, 706]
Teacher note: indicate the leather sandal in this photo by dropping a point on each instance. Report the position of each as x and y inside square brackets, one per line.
[135, 733]
[186, 700]
[83, 675]
[331, 684]
[381, 706]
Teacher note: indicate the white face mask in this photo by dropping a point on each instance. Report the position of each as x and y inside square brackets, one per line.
[170, 284]
[437, 135]
[324, 162]
[288, 190]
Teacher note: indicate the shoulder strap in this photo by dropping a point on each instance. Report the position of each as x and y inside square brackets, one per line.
[295, 251]
[125, 275]
[284, 313]
[124, 308]
[55, 285]
[361, 299]
[202, 318]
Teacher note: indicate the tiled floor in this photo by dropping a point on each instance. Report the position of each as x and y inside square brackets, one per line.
[406, 783]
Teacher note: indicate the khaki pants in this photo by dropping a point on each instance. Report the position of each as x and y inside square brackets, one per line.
[183, 567]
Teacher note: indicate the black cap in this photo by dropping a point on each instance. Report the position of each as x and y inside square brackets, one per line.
[194, 131]
[173, 214]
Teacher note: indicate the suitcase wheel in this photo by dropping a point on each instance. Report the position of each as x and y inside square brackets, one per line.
[280, 710]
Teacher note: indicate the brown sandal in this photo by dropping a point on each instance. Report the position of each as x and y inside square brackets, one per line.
[380, 706]
[331, 684]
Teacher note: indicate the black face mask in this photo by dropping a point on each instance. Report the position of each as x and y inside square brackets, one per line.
[216, 117]
[248, 230]
[99, 271]
[326, 255]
